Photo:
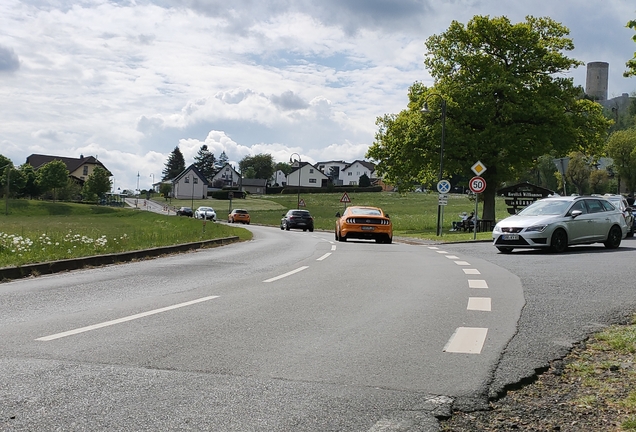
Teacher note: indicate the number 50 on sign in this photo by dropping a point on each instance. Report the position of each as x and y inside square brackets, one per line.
[477, 184]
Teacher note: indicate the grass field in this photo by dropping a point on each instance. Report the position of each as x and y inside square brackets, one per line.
[36, 231]
[413, 214]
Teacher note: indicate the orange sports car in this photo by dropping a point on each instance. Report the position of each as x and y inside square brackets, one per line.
[364, 223]
[239, 215]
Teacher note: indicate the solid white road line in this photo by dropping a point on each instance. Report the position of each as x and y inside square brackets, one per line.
[299, 269]
[471, 271]
[479, 304]
[121, 320]
[324, 256]
[477, 283]
[467, 340]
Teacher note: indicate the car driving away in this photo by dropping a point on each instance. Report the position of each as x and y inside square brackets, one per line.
[362, 222]
[558, 222]
[300, 219]
[239, 215]
[206, 213]
[185, 211]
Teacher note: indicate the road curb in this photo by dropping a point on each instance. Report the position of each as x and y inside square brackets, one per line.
[10, 273]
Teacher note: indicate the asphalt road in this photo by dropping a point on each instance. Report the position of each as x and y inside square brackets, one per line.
[295, 332]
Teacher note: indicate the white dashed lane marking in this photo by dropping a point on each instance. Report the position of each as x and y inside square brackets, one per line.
[477, 283]
[121, 320]
[451, 257]
[479, 304]
[324, 256]
[467, 340]
[299, 269]
[471, 271]
[462, 263]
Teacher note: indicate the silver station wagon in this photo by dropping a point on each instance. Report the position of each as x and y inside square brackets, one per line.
[557, 222]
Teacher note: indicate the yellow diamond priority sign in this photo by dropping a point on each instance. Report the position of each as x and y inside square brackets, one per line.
[479, 168]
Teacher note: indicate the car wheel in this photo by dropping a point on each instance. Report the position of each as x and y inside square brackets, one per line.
[341, 238]
[389, 240]
[504, 249]
[630, 233]
[287, 227]
[559, 241]
[282, 227]
[304, 229]
[614, 238]
[311, 230]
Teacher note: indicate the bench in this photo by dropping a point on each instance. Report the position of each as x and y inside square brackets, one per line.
[483, 225]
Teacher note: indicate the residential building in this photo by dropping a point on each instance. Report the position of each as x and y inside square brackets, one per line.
[305, 174]
[190, 183]
[278, 179]
[254, 186]
[332, 170]
[350, 175]
[79, 168]
[227, 176]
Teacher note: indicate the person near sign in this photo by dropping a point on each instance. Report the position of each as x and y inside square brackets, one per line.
[459, 225]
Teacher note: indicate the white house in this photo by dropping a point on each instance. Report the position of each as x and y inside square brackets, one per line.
[352, 172]
[306, 175]
[332, 169]
[227, 176]
[191, 183]
[278, 178]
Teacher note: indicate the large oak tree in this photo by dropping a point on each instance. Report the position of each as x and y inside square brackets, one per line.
[507, 103]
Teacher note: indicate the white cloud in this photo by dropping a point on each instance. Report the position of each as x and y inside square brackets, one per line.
[129, 81]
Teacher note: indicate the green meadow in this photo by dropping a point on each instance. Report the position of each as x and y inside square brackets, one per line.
[36, 231]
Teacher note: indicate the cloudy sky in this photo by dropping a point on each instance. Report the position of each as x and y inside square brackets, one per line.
[127, 81]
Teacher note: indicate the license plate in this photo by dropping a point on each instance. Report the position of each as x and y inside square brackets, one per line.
[367, 228]
[510, 236]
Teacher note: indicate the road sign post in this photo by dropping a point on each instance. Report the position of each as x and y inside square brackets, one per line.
[443, 187]
[345, 199]
[477, 184]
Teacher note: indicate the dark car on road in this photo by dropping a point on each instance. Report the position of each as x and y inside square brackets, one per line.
[300, 219]
[185, 211]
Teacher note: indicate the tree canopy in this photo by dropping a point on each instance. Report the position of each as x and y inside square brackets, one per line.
[205, 162]
[631, 64]
[506, 103]
[174, 165]
[262, 165]
[621, 147]
[53, 175]
[97, 184]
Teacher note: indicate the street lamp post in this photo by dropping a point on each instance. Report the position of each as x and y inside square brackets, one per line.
[192, 196]
[153, 182]
[137, 191]
[440, 215]
[290, 161]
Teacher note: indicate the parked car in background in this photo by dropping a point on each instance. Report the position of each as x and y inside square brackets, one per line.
[620, 202]
[300, 219]
[185, 211]
[206, 213]
[239, 215]
[558, 222]
[364, 223]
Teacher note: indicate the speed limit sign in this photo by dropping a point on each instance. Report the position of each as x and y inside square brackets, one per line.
[477, 184]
